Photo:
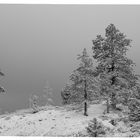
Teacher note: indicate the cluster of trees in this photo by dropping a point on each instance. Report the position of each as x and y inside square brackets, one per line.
[113, 79]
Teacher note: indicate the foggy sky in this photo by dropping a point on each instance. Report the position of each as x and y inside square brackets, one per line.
[40, 43]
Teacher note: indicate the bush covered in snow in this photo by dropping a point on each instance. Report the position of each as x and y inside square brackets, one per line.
[33, 103]
[95, 128]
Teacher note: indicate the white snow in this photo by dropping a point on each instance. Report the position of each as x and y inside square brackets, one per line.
[55, 121]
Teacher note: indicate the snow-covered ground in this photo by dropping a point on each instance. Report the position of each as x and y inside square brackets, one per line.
[52, 121]
[65, 121]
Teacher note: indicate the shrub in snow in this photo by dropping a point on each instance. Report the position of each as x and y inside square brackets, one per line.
[135, 128]
[113, 122]
[95, 128]
[78, 134]
[33, 103]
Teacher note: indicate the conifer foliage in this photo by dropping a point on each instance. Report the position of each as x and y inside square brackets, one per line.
[114, 68]
[66, 94]
[82, 88]
[134, 107]
[33, 101]
[48, 94]
[95, 128]
[134, 104]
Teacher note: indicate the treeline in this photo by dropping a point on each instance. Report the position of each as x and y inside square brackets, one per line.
[113, 78]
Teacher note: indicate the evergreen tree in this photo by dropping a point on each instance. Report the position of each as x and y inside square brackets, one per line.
[66, 94]
[33, 102]
[48, 94]
[114, 68]
[95, 128]
[82, 87]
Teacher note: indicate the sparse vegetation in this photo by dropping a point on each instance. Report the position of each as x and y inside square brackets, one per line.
[112, 87]
[112, 80]
[48, 94]
[95, 128]
[34, 103]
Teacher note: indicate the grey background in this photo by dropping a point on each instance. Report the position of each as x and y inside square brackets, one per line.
[40, 43]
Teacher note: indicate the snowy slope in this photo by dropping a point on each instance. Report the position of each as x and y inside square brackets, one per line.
[52, 121]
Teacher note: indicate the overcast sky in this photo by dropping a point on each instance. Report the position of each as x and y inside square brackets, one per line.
[40, 43]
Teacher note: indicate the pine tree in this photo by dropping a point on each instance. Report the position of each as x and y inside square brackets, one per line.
[48, 94]
[95, 128]
[82, 87]
[33, 102]
[66, 94]
[114, 68]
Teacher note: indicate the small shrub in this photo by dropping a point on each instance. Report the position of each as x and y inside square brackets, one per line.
[121, 130]
[95, 128]
[104, 117]
[113, 122]
[78, 134]
[125, 120]
[33, 103]
[135, 127]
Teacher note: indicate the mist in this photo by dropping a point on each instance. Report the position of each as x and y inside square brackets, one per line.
[40, 43]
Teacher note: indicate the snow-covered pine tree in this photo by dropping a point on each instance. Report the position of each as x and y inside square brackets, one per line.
[83, 84]
[66, 93]
[48, 94]
[95, 128]
[33, 102]
[114, 68]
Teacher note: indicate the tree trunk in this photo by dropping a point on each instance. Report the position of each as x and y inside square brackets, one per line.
[113, 101]
[113, 96]
[107, 105]
[113, 79]
[85, 109]
[85, 96]
[95, 135]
